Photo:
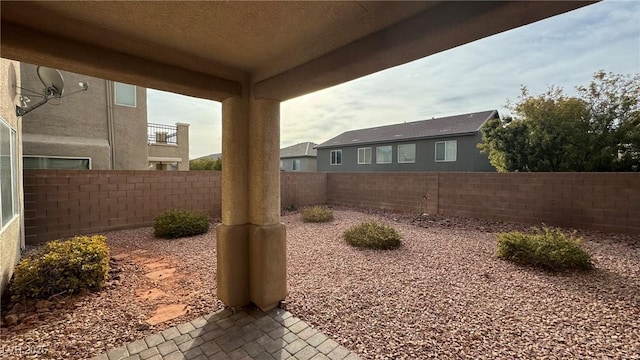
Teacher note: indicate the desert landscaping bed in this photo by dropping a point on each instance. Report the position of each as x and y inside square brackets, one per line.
[442, 294]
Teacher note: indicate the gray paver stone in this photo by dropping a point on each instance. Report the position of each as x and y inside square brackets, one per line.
[245, 320]
[225, 323]
[199, 322]
[223, 314]
[156, 357]
[274, 345]
[338, 353]
[100, 357]
[290, 321]
[263, 356]
[170, 333]
[167, 347]
[283, 354]
[197, 332]
[234, 343]
[237, 354]
[182, 339]
[307, 333]
[352, 356]
[306, 353]
[298, 327]
[201, 357]
[185, 328]
[210, 348]
[134, 357]
[193, 343]
[295, 346]
[327, 346]
[252, 349]
[118, 354]
[320, 356]
[154, 340]
[290, 337]
[277, 333]
[149, 353]
[317, 339]
[192, 353]
[220, 355]
[176, 355]
[137, 347]
[252, 335]
[211, 335]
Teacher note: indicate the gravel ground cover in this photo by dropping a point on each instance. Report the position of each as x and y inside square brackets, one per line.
[442, 295]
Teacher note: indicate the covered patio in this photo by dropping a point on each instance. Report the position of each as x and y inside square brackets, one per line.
[250, 56]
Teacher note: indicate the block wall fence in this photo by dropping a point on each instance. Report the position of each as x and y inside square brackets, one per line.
[63, 203]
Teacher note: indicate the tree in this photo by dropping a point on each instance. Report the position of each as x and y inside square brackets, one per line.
[205, 164]
[597, 130]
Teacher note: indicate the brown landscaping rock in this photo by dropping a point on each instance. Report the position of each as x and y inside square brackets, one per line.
[161, 274]
[156, 265]
[120, 257]
[11, 319]
[150, 294]
[167, 312]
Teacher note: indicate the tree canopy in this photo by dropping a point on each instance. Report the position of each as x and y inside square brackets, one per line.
[205, 164]
[596, 130]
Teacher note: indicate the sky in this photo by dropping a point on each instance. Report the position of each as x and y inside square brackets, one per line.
[563, 51]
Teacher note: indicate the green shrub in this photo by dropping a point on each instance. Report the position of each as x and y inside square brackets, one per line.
[548, 248]
[62, 267]
[373, 236]
[178, 223]
[316, 214]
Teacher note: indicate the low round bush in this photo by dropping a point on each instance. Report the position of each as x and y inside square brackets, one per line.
[62, 267]
[372, 235]
[548, 249]
[179, 223]
[316, 214]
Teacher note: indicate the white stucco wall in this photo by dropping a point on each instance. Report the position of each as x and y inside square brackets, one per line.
[12, 234]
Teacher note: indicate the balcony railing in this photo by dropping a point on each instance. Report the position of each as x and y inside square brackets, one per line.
[162, 134]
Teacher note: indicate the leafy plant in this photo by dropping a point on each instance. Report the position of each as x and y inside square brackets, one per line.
[316, 214]
[548, 248]
[62, 267]
[372, 235]
[179, 223]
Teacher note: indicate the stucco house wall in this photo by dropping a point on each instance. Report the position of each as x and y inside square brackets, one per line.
[468, 157]
[87, 125]
[12, 233]
[307, 164]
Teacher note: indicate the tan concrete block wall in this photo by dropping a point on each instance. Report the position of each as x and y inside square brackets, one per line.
[401, 191]
[303, 188]
[63, 203]
[599, 201]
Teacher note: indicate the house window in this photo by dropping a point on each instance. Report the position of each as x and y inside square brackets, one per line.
[296, 165]
[407, 153]
[8, 174]
[60, 163]
[384, 154]
[281, 165]
[364, 156]
[446, 150]
[336, 157]
[125, 94]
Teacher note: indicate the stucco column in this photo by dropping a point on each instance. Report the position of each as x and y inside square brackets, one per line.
[267, 238]
[251, 242]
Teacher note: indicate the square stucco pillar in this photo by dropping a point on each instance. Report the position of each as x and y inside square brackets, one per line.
[251, 242]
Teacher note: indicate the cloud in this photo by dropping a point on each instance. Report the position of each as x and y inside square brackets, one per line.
[564, 51]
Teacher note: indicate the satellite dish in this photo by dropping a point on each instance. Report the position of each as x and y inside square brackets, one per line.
[53, 89]
[52, 81]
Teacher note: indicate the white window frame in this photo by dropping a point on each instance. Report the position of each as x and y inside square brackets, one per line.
[61, 157]
[13, 174]
[378, 154]
[331, 157]
[447, 143]
[293, 165]
[115, 94]
[401, 146]
[363, 160]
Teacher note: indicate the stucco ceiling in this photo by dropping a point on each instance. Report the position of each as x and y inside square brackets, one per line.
[216, 49]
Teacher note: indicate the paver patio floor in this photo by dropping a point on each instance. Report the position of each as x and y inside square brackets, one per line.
[243, 335]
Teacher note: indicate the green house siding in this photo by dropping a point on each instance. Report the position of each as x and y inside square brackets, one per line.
[468, 157]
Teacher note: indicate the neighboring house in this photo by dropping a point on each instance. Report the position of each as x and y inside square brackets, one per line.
[11, 193]
[104, 128]
[443, 144]
[299, 157]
